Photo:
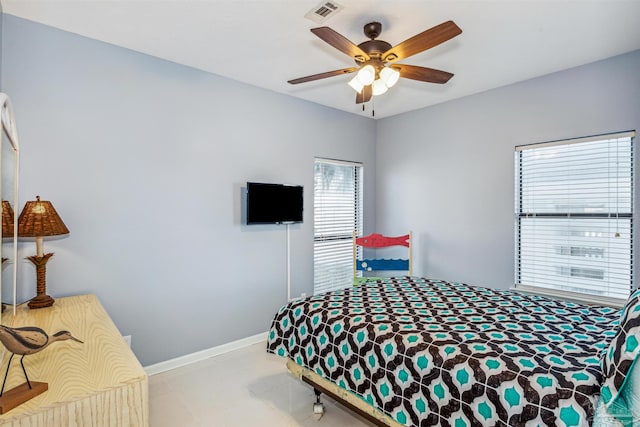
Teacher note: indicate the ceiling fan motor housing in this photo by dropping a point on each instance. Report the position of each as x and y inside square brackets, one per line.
[373, 48]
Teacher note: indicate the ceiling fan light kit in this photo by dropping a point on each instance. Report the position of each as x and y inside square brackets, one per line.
[386, 78]
[374, 76]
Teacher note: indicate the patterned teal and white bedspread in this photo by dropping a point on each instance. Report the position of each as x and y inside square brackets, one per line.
[431, 352]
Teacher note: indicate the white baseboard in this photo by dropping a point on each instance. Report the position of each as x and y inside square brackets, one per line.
[188, 359]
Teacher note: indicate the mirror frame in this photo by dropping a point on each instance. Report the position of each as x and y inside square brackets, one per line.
[9, 130]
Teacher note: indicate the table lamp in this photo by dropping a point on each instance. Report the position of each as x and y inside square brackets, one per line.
[7, 227]
[7, 221]
[38, 219]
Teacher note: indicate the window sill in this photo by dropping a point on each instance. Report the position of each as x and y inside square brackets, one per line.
[571, 296]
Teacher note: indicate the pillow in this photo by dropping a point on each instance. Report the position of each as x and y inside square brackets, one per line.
[620, 357]
[625, 412]
[364, 280]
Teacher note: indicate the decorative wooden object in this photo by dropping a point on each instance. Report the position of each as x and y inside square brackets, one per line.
[377, 241]
[19, 395]
[25, 341]
[99, 383]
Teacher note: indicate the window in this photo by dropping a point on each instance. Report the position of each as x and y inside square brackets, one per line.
[337, 214]
[574, 214]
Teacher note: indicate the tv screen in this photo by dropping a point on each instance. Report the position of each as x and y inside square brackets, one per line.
[273, 203]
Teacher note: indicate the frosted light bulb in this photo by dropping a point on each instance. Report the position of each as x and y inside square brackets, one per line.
[366, 75]
[379, 87]
[356, 84]
[389, 76]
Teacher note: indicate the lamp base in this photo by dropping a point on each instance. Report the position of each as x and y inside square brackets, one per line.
[41, 301]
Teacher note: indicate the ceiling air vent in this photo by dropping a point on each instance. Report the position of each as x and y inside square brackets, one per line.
[323, 11]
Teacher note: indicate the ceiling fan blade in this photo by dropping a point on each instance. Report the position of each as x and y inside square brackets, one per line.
[423, 41]
[423, 74]
[364, 95]
[322, 75]
[341, 43]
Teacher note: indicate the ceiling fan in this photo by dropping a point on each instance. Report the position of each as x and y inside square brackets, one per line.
[377, 69]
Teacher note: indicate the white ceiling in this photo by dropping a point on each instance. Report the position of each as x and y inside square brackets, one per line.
[267, 42]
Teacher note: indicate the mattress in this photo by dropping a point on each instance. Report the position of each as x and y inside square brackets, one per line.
[430, 352]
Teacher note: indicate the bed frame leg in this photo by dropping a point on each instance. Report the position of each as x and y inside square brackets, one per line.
[318, 407]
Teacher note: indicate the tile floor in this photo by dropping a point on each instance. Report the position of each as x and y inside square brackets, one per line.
[243, 388]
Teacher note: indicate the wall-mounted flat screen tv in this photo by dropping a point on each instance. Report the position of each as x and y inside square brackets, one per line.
[273, 203]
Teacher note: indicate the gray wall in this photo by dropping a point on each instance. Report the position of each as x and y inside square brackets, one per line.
[447, 172]
[145, 160]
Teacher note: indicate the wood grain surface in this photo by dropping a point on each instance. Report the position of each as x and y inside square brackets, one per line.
[98, 383]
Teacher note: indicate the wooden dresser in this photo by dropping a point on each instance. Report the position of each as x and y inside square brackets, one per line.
[98, 383]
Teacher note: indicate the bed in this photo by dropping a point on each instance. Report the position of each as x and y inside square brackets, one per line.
[421, 352]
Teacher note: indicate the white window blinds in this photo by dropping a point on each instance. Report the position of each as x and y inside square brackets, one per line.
[337, 213]
[574, 213]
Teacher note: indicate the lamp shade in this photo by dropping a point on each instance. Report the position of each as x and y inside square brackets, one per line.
[389, 76]
[356, 84]
[39, 218]
[7, 219]
[379, 87]
[366, 74]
